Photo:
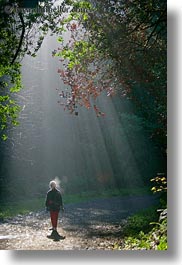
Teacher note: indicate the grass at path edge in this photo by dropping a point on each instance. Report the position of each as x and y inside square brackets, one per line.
[11, 209]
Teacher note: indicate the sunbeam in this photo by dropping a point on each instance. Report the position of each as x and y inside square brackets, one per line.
[94, 153]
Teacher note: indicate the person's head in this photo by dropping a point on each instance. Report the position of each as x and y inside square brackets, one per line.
[52, 184]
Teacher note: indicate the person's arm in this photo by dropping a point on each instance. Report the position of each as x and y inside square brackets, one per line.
[61, 203]
[47, 201]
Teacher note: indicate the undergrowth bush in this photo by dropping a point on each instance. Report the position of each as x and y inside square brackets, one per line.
[138, 231]
[156, 239]
[141, 222]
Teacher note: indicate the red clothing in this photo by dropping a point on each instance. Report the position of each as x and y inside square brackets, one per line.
[54, 218]
[53, 204]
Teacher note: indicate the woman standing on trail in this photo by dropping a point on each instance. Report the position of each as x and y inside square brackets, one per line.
[54, 204]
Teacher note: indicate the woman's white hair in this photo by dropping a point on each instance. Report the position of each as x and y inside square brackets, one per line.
[52, 184]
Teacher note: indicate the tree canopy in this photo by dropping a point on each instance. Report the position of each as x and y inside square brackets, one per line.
[114, 46]
[118, 47]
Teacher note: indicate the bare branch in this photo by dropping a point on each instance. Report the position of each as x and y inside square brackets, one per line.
[21, 38]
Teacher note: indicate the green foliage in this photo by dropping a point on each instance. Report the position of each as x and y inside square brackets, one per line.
[156, 239]
[10, 83]
[138, 231]
[140, 222]
[142, 234]
[82, 51]
[129, 35]
[103, 193]
[10, 209]
[21, 33]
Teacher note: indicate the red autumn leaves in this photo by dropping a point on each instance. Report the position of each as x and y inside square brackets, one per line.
[87, 77]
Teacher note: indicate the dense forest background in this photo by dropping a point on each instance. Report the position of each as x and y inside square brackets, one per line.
[117, 52]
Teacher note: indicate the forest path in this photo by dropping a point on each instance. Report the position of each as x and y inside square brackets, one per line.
[95, 224]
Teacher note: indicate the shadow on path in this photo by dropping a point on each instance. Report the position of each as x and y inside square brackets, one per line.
[99, 216]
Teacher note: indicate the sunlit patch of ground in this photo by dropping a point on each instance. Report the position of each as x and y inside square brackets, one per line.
[96, 224]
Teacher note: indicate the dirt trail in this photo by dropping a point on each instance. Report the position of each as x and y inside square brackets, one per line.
[96, 224]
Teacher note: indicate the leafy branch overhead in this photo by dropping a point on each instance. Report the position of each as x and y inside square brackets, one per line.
[114, 47]
[86, 69]
[117, 47]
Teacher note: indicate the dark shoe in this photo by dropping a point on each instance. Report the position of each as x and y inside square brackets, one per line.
[52, 235]
[58, 237]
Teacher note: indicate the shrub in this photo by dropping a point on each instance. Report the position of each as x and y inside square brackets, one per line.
[140, 222]
[156, 239]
